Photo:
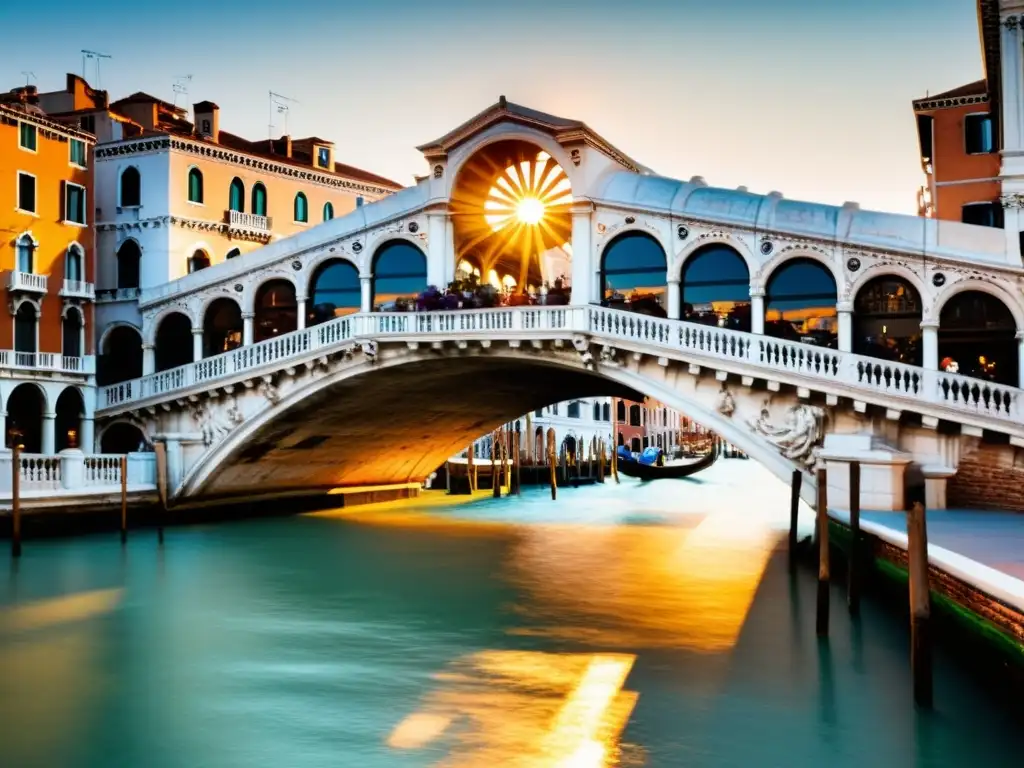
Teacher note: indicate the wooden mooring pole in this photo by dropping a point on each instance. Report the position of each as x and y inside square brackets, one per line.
[469, 470]
[16, 501]
[920, 605]
[794, 513]
[823, 564]
[516, 461]
[551, 463]
[615, 463]
[600, 460]
[854, 565]
[495, 476]
[124, 499]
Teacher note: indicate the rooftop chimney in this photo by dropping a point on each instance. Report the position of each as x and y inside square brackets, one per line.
[207, 119]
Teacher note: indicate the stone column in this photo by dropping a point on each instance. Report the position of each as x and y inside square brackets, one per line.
[675, 305]
[148, 359]
[757, 312]
[1010, 61]
[72, 469]
[86, 438]
[300, 312]
[1020, 358]
[845, 310]
[197, 344]
[930, 346]
[3, 429]
[49, 433]
[247, 335]
[437, 256]
[366, 293]
[583, 269]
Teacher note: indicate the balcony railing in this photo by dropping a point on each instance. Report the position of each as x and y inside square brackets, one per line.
[47, 361]
[117, 294]
[26, 281]
[78, 289]
[250, 221]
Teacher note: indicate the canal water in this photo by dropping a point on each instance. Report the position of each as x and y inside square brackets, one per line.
[622, 625]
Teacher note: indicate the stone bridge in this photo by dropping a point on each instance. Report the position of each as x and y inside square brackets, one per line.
[784, 323]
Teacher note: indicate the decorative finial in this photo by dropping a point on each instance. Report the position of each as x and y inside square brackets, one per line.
[502, 103]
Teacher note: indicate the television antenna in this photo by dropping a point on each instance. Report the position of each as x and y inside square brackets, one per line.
[95, 56]
[279, 104]
[29, 77]
[180, 87]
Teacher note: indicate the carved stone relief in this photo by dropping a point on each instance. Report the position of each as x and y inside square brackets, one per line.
[799, 435]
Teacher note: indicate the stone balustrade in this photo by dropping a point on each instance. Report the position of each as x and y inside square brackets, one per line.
[886, 383]
[72, 472]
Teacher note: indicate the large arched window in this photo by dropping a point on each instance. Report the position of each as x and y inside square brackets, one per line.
[128, 263]
[195, 185]
[70, 409]
[120, 356]
[236, 198]
[222, 327]
[25, 328]
[25, 418]
[73, 263]
[606, 412]
[334, 291]
[715, 288]
[26, 254]
[634, 274]
[131, 187]
[328, 211]
[259, 199]
[173, 342]
[399, 274]
[977, 337]
[71, 333]
[800, 303]
[597, 411]
[276, 309]
[887, 320]
[198, 260]
[301, 211]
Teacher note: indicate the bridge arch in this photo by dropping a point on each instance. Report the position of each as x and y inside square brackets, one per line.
[634, 260]
[802, 290]
[275, 308]
[334, 289]
[121, 436]
[119, 354]
[887, 314]
[399, 272]
[760, 278]
[712, 239]
[979, 332]
[222, 326]
[153, 324]
[508, 132]
[715, 274]
[1012, 303]
[290, 430]
[173, 340]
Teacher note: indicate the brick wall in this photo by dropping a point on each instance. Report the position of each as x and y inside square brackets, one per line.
[990, 477]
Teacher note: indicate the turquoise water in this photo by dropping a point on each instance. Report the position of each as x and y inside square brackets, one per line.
[631, 625]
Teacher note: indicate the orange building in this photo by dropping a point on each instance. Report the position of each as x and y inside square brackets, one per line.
[47, 261]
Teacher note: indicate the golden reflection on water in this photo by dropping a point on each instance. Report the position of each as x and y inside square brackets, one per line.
[525, 710]
[615, 588]
[49, 677]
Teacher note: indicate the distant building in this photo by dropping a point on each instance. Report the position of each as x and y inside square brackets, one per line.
[650, 423]
[47, 388]
[175, 195]
[972, 136]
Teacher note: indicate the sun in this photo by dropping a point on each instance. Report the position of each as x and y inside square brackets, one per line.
[525, 192]
[530, 210]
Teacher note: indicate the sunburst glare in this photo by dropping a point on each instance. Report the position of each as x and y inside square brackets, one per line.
[525, 192]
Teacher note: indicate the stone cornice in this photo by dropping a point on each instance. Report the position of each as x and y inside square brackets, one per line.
[264, 165]
[49, 128]
[955, 101]
[200, 225]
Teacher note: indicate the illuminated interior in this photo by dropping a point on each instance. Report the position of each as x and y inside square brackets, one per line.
[510, 208]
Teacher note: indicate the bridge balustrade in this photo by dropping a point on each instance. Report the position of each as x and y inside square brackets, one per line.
[861, 375]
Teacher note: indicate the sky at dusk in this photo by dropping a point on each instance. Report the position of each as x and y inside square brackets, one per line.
[807, 97]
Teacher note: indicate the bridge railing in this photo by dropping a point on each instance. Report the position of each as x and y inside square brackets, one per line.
[763, 354]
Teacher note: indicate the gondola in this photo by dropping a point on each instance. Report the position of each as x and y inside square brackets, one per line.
[651, 465]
